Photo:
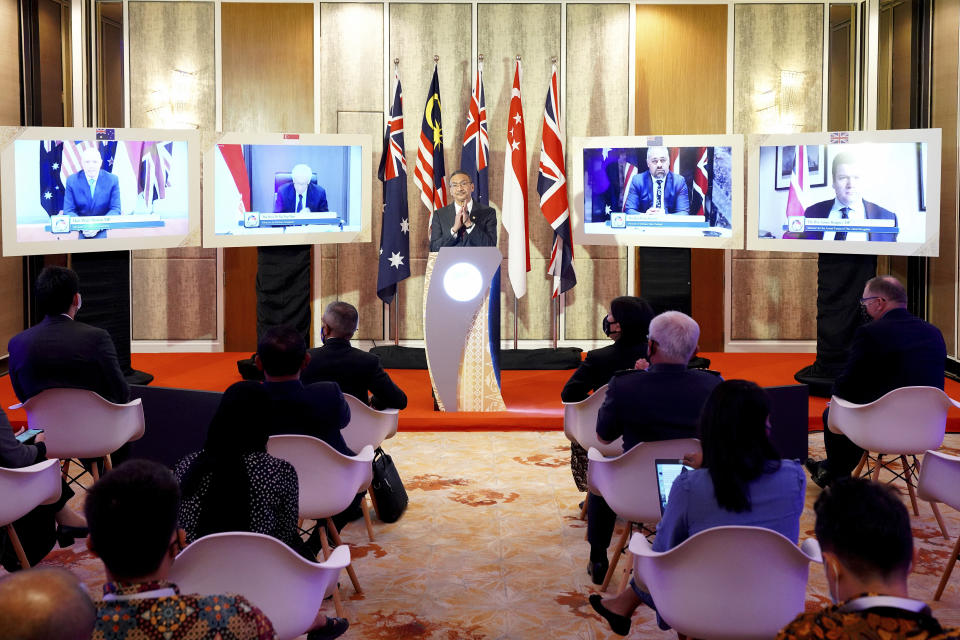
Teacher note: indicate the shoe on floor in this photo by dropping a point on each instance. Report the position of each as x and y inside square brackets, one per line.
[598, 570]
[619, 624]
[813, 466]
[334, 628]
[822, 477]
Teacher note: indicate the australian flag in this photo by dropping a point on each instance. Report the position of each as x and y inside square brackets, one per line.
[476, 143]
[394, 260]
[51, 187]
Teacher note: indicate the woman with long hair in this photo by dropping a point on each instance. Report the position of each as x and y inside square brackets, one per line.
[741, 480]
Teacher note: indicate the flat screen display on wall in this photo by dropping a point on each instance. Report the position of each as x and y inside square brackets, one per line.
[666, 191]
[859, 192]
[282, 189]
[69, 190]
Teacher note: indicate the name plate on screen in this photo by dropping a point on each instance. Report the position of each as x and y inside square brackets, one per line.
[798, 224]
[254, 219]
[66, 224]
[674, 220]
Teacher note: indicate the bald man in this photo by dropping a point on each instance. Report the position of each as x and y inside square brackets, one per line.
[657, 190]
[92, 192]
[45, 604]
[300, 195]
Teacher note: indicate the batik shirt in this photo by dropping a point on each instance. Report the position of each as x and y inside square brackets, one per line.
[869, 617]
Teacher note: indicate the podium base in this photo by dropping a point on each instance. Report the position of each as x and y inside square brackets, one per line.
[132, 376]
[819, 382]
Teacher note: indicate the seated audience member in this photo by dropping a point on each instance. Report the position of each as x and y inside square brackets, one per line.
[661, 403]
[132, 513]
[355, 370]
[627, 325]
[864, 533]
[741, 480]
[317, 409]
[45, 604]
[47, 523]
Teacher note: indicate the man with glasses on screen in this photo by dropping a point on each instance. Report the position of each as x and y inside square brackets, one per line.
[92, 192]
[658, 190]
[896, 349]
[848, 176]
[464, 222]
[300, 195]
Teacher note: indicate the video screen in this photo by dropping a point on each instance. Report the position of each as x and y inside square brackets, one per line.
[673, 191]
[287, 190]
[95, 190]
[857, 192]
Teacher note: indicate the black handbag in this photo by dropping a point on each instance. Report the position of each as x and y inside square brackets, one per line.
[389, 496]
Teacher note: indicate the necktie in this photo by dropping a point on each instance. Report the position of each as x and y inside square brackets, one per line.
[463, 216]
[93, 186]
[842, 235]
[659, 204]
[299, 202]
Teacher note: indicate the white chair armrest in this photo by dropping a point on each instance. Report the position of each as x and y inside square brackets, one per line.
[365, 455]
[811, 548]
[14, 407]
[640, 546]
[338, 560]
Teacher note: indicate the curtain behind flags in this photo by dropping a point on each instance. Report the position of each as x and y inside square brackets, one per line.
[552, 187]
[515, 213]
[430, 175]
[394, 262]
[475, 157]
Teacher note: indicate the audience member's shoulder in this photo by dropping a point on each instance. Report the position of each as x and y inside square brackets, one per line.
[323, 388]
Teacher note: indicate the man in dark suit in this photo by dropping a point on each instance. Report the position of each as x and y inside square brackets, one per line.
[895, 350]
[657, 190]
[464, 222]
[60, 352]
[300, 195]
[356, 371]
[661, 403]
[92, 192]
[848, 205]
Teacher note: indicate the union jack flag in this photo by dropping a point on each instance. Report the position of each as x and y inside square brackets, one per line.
[701, 180]
[839, 137]
[430, 175]
[476, 142]
[394, 260]
[155, 163]
[552, 187]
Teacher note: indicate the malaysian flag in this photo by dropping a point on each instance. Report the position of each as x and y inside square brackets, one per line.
[430, 175]
[155, 163]
[552, 187]
[701, 182]
[476, 143]
[394, 260]
[51, 185]
[515, 203]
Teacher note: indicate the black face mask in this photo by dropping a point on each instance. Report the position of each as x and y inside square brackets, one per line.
[606, 326]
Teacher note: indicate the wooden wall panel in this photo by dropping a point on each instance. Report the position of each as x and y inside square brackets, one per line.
[267, 52]
[50, 19]
[841, 68]
[11, 269]
[773, 293]
[174, 290]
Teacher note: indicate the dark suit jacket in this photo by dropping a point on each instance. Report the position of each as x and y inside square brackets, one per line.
[870, 210]
[60, 352]
[105, 200]
[13, 453]
[661, 403]
[286, 199]
[642, 193]
[356, 372]
[317, 410]
[895, 350]
[600, 364]
[484, 233]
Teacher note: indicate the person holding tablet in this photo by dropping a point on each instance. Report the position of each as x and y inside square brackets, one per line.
[739, 480]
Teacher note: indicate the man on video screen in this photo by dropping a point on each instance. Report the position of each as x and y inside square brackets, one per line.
[849, 204]
[92, 192]
[657, 190]
[300, 195]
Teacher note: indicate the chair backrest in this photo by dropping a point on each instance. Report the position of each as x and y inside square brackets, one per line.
[286, 587]
[580, 424]
[328, 480]
[940, 479]
[25, 488]
[727, 583]
[629, 482]
[368, 426]
[908, 420]
[80, 424]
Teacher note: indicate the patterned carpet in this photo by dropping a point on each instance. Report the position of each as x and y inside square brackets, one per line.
[491, 546]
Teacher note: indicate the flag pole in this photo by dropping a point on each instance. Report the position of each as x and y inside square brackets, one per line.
[396, 294]
[555, 307]
[516, 302]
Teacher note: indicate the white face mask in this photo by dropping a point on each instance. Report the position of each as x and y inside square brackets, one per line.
[79, 302]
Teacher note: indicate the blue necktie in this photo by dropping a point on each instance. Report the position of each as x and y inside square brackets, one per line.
[299, 202]
[93, 186]
[842, 235]
[659, 204]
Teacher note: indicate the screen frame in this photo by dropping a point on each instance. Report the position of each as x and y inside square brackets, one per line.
[628, 239]
[364, 141]
[929, 247]
[8, 195]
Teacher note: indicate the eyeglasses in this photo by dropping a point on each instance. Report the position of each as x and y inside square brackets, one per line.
[864, 301]
[457, 185]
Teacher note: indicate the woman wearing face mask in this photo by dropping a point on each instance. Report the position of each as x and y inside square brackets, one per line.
[627, 325]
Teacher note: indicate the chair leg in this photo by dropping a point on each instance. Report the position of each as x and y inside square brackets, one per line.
[95, 470]
[15, 540]
[325, 547]
[863, 461]
[936, 514]
[617, 552]
[350, 572]
[583, 509]
[65, 470]
[876, 469]
[949, 568]
[907, 477]
[365, 507]
[373, 501]
[107, 463]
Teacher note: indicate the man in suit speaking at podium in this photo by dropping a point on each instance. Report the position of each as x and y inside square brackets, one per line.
[465, 222]
[92, 192]
[300, 194]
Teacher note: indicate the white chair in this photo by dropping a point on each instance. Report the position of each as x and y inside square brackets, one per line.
[286, 587]
[905, 421]
[80, 424]
[727, 583]
[628, 483]
[328, 481]
[23, 490]
[940, 482]
[580, 426]
[368, 426]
